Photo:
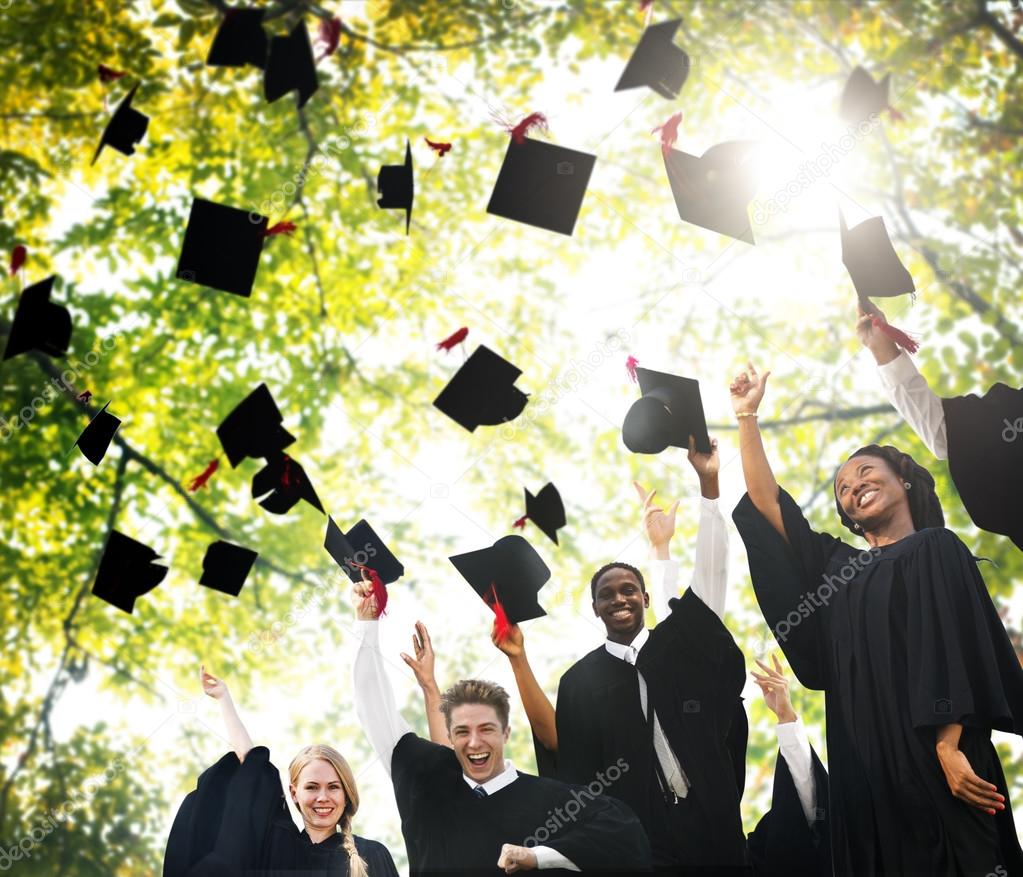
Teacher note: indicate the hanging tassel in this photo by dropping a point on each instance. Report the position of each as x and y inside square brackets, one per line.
[533, 120]
[379, 589]
[453, 339]
[84, 396]
[108, 74]
[18, 256]
[647, 8]
[502, 625]
[897, 335]
[669, 132]
[630, 367]
[329, 33]
[521, 522]
[441, 149]
[894, 114]
[280, 228]
[287, 478]
[207, 473]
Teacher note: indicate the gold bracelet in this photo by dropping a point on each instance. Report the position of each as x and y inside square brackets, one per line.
[746, 414]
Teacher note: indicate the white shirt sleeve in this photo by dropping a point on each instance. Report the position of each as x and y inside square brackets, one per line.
[663, 586]
[710, 564]
[548, 858]
[918, 404]
[795, 749]
[374, 698]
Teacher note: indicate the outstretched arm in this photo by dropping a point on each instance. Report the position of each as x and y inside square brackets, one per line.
[539, 709]
[216, 688]
[422, 666]
[710, 560]
[659, 525]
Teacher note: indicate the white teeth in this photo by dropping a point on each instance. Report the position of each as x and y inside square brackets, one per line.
[479, 759]
[866, 497]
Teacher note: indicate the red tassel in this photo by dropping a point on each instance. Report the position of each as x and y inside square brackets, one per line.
[453, 339]
[502, 625]
[329, 34]
[108, 74]
[645, 5]
[521, 522]
[18, 256]
[897, 335]
[669, 132]
[895, 115]
[280, 228]
[533, 120]
[85, 396]
[207, 473]
[379, 589]
[630, 367]
[288, 479]
[441, 149]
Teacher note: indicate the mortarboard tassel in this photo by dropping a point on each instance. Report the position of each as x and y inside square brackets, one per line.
[454, 338]
[669, 132]
[379, 590]
[207, 473]
[521, 522]
[630, 367]
[897, 335]
[501, 623]
[329, 33]
[894, 114]
[280, 228]
[108, 74]
[18, 256]
[441, 149]
[287, 479]
[533, 120]
[85, 396]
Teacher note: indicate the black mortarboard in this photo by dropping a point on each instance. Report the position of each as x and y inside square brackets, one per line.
[657, 62]
[96, 437]
[669, 411]
[126, 127]
[713, 191]
[290, 66]
[362, 545]
[514, 569]
[282, 482]
[541, 185]
[39, 324]
[546, 510]
[226, 566]
[873, 264]
[985, 457]
[221, 247]
[396, 186]
[253, 428]
[862, 97]
[483, 391]
[126, 571]
[239, 40]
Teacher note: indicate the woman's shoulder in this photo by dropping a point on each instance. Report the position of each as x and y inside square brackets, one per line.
[367, 846]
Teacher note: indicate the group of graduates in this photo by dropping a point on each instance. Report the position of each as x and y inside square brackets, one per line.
[641, 761]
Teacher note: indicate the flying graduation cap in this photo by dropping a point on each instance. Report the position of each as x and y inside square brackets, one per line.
[253, 428]
[546, 510]
[657, 62]
[96, 437]
[541, 184]
[226, 566]
[126, 571]
[713, 191]
[39, 324]
[361, 541]
[127, 126]
[221, 247]
[239, 40]
[862, 97]
[281, 483]
[482, 392]
[396, 186]
[669, 411]
[291, 66]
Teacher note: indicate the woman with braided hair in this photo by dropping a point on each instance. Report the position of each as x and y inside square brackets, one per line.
[236, 822]
[904, 640]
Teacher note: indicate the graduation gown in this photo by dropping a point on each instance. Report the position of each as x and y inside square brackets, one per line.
[448, 830]
[236, 824]
[694, 674]
[902, 639]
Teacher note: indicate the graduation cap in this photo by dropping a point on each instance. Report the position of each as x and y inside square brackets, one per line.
[226, 566]
[221, 247]
[239, 40]
[126, 127]
[482, 392]
[96, 437]
[713, 191]
[126, 571]
[396, 187]
[253, 428]
[361, 545]
[657, 62]
[541, 185]
[509, 570]
[290, 66]
[985, 457]
[282, 482]
[669, 411]
[38, 323]
[862, 97]
[546, 510]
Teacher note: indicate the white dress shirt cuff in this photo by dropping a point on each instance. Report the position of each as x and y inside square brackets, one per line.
[664, 586]
[548, 858]
[795, 749]
[899, 371]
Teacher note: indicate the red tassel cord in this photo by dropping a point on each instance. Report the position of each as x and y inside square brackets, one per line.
[289, 478]
[280, 228]
[502, 625]
[441, 149]
[895, 115]
[379, 589]
[453, 339]
[85, 396]
[329, 33]
[18, 256]
[521, 522]
[630, 367]
[669, 132]
[108, 74]
[207, 473]
[533, 120]
[897, 335]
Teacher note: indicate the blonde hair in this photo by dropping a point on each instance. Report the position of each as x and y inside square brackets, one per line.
[356, 864]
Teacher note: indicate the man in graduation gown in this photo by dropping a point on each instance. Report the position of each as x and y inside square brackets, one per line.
[464, 809]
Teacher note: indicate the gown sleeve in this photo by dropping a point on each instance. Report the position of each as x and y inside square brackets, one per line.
[377, 857]
[578, 747]
[961, 664]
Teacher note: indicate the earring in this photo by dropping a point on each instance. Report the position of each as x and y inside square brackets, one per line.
[857, 527]
[906, 484]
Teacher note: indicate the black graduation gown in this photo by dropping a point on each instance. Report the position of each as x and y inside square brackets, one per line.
[448, 830]
[694, 673]
[236, 824]
[902, 639]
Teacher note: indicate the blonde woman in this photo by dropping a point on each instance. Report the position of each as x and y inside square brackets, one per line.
[237, 821]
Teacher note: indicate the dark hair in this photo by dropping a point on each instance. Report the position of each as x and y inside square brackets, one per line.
[924, 505]
[614, 565]
[475, 691]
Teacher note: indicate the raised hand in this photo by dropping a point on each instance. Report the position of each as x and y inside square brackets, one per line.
[513, 644]
[707, 466]
[775, 687]
[423, 663]
[658, 523]
[879, 344]
[365, 603]
[747, 390]
[211, 685]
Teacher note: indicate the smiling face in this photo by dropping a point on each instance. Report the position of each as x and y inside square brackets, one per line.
[870, 493]
[619, 601]
[478, 738]
[319, 795]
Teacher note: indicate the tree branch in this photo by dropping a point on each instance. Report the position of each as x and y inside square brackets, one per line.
[842, 414]
[991, 22]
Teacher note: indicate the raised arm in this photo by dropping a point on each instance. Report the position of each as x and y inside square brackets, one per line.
[539, 709]
[747, 391]
[216, 688]
[422, 666]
